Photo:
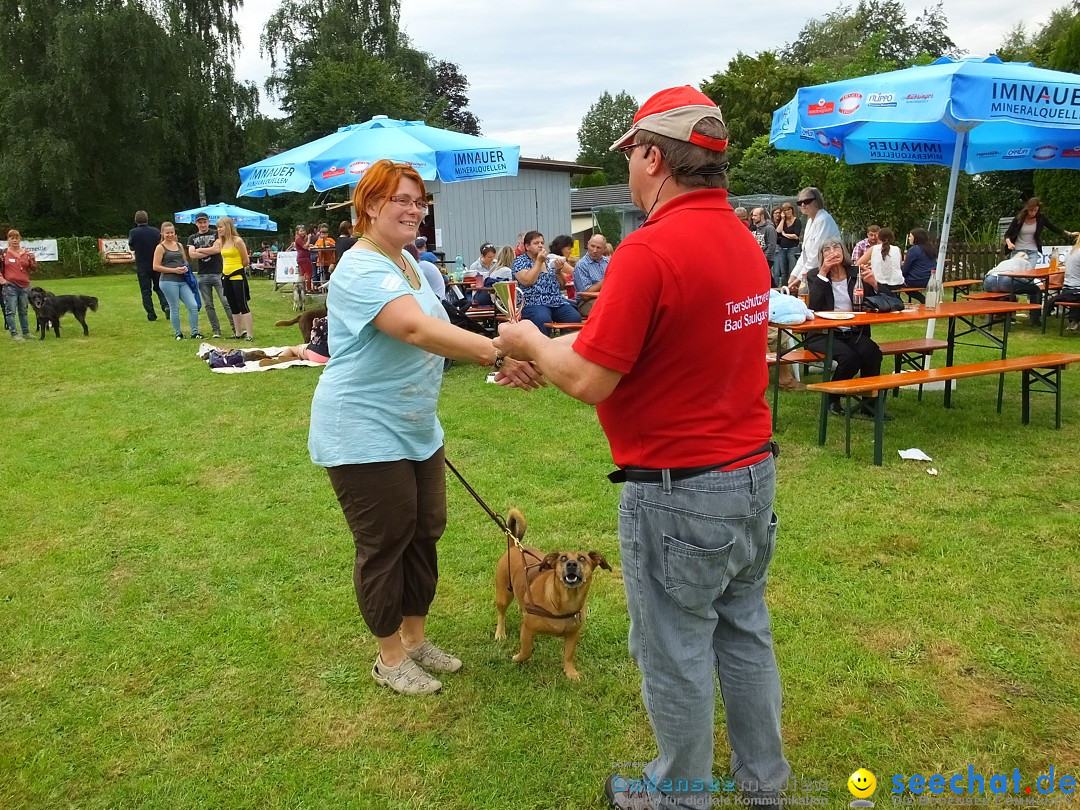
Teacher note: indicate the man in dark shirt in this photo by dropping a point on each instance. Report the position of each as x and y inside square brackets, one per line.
[143, 241]
[209, 271]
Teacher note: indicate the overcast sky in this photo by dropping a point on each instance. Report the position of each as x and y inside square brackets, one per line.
[535, 68]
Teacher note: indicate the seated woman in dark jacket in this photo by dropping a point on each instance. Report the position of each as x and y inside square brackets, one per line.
[853, 349]
[920, 261]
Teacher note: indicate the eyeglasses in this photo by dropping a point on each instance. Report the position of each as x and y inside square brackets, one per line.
[408, 202]
[630, 147]
[801, 203]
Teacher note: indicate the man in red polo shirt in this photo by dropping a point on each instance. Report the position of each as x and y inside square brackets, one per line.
[673, 359]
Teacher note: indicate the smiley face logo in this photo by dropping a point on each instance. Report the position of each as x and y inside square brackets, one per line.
[862, 784]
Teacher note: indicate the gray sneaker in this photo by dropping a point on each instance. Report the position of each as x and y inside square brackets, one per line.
[431, 657]
[407, 678]
[17, 336]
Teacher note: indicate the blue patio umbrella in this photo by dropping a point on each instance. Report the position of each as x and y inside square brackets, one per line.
[341, 158]
[977, 115]
[249, 220]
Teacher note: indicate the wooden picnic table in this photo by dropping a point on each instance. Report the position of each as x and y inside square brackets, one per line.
[964, 312]
[1036, 274]
[956, 285]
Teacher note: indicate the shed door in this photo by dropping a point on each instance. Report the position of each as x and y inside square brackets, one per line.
[508, 213]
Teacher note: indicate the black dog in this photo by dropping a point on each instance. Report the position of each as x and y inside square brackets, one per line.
[50, 308]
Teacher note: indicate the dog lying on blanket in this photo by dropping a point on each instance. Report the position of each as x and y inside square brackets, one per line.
[550, 590]
[305, 319]
[49, 309]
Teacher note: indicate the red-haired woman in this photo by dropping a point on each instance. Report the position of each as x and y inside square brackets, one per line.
[17, 265]
[374, 424]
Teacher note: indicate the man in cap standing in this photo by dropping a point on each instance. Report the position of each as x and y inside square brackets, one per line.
[199, 247]
[673, 358]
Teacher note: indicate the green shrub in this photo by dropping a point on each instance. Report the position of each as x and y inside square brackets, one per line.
[78, 256]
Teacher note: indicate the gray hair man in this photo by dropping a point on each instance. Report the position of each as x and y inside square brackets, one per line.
[589, 273]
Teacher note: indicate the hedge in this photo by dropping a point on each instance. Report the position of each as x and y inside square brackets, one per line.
[78, 256]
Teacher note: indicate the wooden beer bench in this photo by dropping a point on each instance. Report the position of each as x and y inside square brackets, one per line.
[908, 354]
[1042, 374]
[559, 328]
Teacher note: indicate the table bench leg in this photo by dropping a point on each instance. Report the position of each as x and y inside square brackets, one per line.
[1004, 355]
[879, 427]
[826, 375]
[1025, 398]
[1057, 398]
[1048, 382]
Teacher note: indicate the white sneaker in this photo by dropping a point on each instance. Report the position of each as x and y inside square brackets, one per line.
[431, 657]
[407, 678]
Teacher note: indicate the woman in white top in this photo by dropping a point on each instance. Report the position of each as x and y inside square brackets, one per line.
[883, 259]
[819, 226]
[1070, 290]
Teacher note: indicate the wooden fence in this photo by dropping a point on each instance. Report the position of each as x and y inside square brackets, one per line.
[970, 261]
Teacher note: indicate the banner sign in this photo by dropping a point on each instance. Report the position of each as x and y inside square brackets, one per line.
[115, 251]
[44, 250]
[287, 270]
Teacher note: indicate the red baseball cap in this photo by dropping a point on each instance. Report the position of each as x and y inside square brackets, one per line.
[675, 112]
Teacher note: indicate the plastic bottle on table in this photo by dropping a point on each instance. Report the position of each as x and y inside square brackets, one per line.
[1054, 260]
[934, 291]
[459, 269]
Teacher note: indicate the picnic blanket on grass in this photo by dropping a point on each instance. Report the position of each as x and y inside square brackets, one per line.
[252, 365]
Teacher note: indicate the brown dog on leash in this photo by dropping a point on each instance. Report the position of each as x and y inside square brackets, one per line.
[550, 591]
[305, 319]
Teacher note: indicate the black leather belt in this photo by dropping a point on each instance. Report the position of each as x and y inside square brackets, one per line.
[651, 476]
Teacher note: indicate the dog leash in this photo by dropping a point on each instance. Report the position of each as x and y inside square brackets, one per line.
[530, 607]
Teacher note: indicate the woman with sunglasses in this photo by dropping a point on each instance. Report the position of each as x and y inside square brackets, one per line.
[831, 290]
[819, 226]
[788, 239]
[375, 428]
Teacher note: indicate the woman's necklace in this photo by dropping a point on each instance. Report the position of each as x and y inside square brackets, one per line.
[387, 255]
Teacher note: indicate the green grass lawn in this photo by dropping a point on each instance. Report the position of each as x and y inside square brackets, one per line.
[178, 627]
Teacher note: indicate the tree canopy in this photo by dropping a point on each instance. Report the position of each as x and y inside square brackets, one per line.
[605, 121]
[875, 36]
[128, 104]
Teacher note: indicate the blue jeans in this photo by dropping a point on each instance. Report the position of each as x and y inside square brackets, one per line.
[560, 313]
[208, 284]
[16, 298]
[175, 292]
[695, 557]
[784, 260]
[1007, 284]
